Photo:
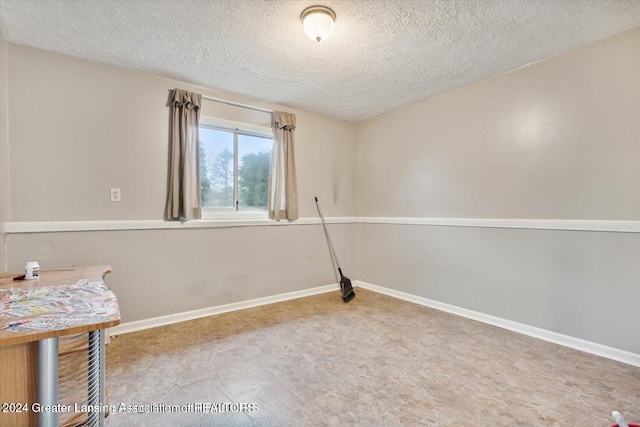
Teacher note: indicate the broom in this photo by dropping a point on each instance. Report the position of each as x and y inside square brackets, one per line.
[345, 283]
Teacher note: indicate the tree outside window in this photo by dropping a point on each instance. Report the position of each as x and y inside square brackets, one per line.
[234, 169]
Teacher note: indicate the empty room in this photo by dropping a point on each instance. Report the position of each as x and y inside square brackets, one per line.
[320, 213]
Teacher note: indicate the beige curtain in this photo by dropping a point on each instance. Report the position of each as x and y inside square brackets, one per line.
[283, 190]
[183, 200]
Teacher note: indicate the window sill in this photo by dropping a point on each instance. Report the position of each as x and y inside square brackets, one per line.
[234, 216]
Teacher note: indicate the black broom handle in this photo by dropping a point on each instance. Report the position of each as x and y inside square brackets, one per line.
[334, 258]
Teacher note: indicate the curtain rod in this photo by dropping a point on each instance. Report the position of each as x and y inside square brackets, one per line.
[236, 104]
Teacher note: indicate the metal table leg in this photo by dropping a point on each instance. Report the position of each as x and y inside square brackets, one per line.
[96, 378]
[48, 381]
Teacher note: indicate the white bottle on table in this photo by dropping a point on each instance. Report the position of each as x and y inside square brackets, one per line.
[32, 270]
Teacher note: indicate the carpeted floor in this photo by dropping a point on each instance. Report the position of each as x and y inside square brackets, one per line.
[376, 361]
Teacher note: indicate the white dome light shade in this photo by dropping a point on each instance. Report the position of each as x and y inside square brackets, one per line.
[317, 22]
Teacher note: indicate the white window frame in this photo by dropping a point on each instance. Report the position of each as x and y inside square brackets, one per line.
[226, 214]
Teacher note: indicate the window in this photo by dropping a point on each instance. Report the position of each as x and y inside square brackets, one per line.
[234, 169]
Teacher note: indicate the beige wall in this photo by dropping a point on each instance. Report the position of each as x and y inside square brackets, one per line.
[160, 272]
[559, 139]
[83, 127]
[4, 149]
[79, 128]
[576, 283]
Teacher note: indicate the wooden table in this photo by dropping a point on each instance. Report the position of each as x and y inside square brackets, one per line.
[29, 359]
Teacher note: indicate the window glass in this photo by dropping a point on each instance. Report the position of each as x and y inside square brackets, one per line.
[216, 168]
[254, 157]
[234, 170]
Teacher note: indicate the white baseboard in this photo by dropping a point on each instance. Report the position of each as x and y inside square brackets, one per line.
[554, 337]
[139, 325]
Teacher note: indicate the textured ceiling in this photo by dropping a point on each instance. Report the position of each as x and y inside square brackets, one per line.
[382, 55]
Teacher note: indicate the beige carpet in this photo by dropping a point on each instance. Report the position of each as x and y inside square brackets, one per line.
[376, 361]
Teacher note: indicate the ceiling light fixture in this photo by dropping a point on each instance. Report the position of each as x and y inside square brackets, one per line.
[317, 22]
